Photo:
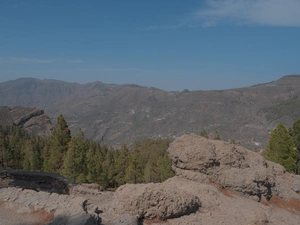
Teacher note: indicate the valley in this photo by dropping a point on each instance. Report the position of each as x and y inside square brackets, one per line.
[117, 114]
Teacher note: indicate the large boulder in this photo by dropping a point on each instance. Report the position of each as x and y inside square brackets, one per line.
[226, 165]
[154, 201]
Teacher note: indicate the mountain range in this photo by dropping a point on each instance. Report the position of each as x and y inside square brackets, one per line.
[116, 114]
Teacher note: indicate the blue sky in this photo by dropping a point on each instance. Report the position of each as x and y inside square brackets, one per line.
[169, 44]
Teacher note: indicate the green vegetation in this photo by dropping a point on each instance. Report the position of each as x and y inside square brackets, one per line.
[83, 160]
[58, 146]
[284, 147]
[74, 165]
[280, 148]
[203, 133]
[295, 134]
[15, 148]
[217, 135]
[155, 158]
[233, 141]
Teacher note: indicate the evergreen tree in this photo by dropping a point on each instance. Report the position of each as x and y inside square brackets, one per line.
[165, 169]
[217, 136]
[232, 141]
[3, 150]
[109, 171]
[121, 165]
[280, 148]
[295, 133]
[203, 133]
[32, 155]
[94, 160]
[61, 136]
[15, 147]
[12, 146]
[74, 166]
[152, 173]
[134, 171]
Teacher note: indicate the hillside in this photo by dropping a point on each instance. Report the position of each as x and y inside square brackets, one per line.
[114, 114]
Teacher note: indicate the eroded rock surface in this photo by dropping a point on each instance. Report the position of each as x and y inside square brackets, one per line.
[154, 201]
[33, 120]
[222, 207]
[226, 165]
[216, 183]
[52, 207]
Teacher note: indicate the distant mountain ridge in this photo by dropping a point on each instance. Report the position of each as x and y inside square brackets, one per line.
[114, 114]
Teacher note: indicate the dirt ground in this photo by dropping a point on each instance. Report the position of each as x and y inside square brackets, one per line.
[9, 216]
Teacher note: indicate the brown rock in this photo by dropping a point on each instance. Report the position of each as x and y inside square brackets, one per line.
[227, 165]
[33, 120]
[150, 201]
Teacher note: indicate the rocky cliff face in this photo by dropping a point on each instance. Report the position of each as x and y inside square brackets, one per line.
[33, 120]
[215, 183]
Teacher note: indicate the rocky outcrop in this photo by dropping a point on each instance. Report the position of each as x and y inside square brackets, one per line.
[220, 206]
[229, 167]
[154, 201]
[50, 198]
[85, 188]
[226, 165]
[215, 183]
[222, 183]
[52, 208]
[33, 120]
[37, 181]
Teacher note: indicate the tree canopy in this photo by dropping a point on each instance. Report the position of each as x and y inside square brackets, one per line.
[280, 148]
[295, 133]
[83, 160]
[58, 146]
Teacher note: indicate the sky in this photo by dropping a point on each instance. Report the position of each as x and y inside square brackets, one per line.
[168, 44]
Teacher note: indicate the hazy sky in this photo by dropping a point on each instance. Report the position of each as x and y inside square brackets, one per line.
[169, 44]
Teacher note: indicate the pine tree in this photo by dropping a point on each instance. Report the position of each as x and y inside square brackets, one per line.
[3, 148]
[134, 171]
[61, 136]
[233, 141]
[203, 133]
[74, 166]
[32, 155]
[165, 169]
[280, 148]
[217, 136]
[109, 171]
[94, 160]
[121, 165]
[295, 133]
[152, 173]
[14, 149]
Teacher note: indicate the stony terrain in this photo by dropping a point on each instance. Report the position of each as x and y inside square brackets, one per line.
[33, 120]
[42, 198]
[114, 114]
[215, 183]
